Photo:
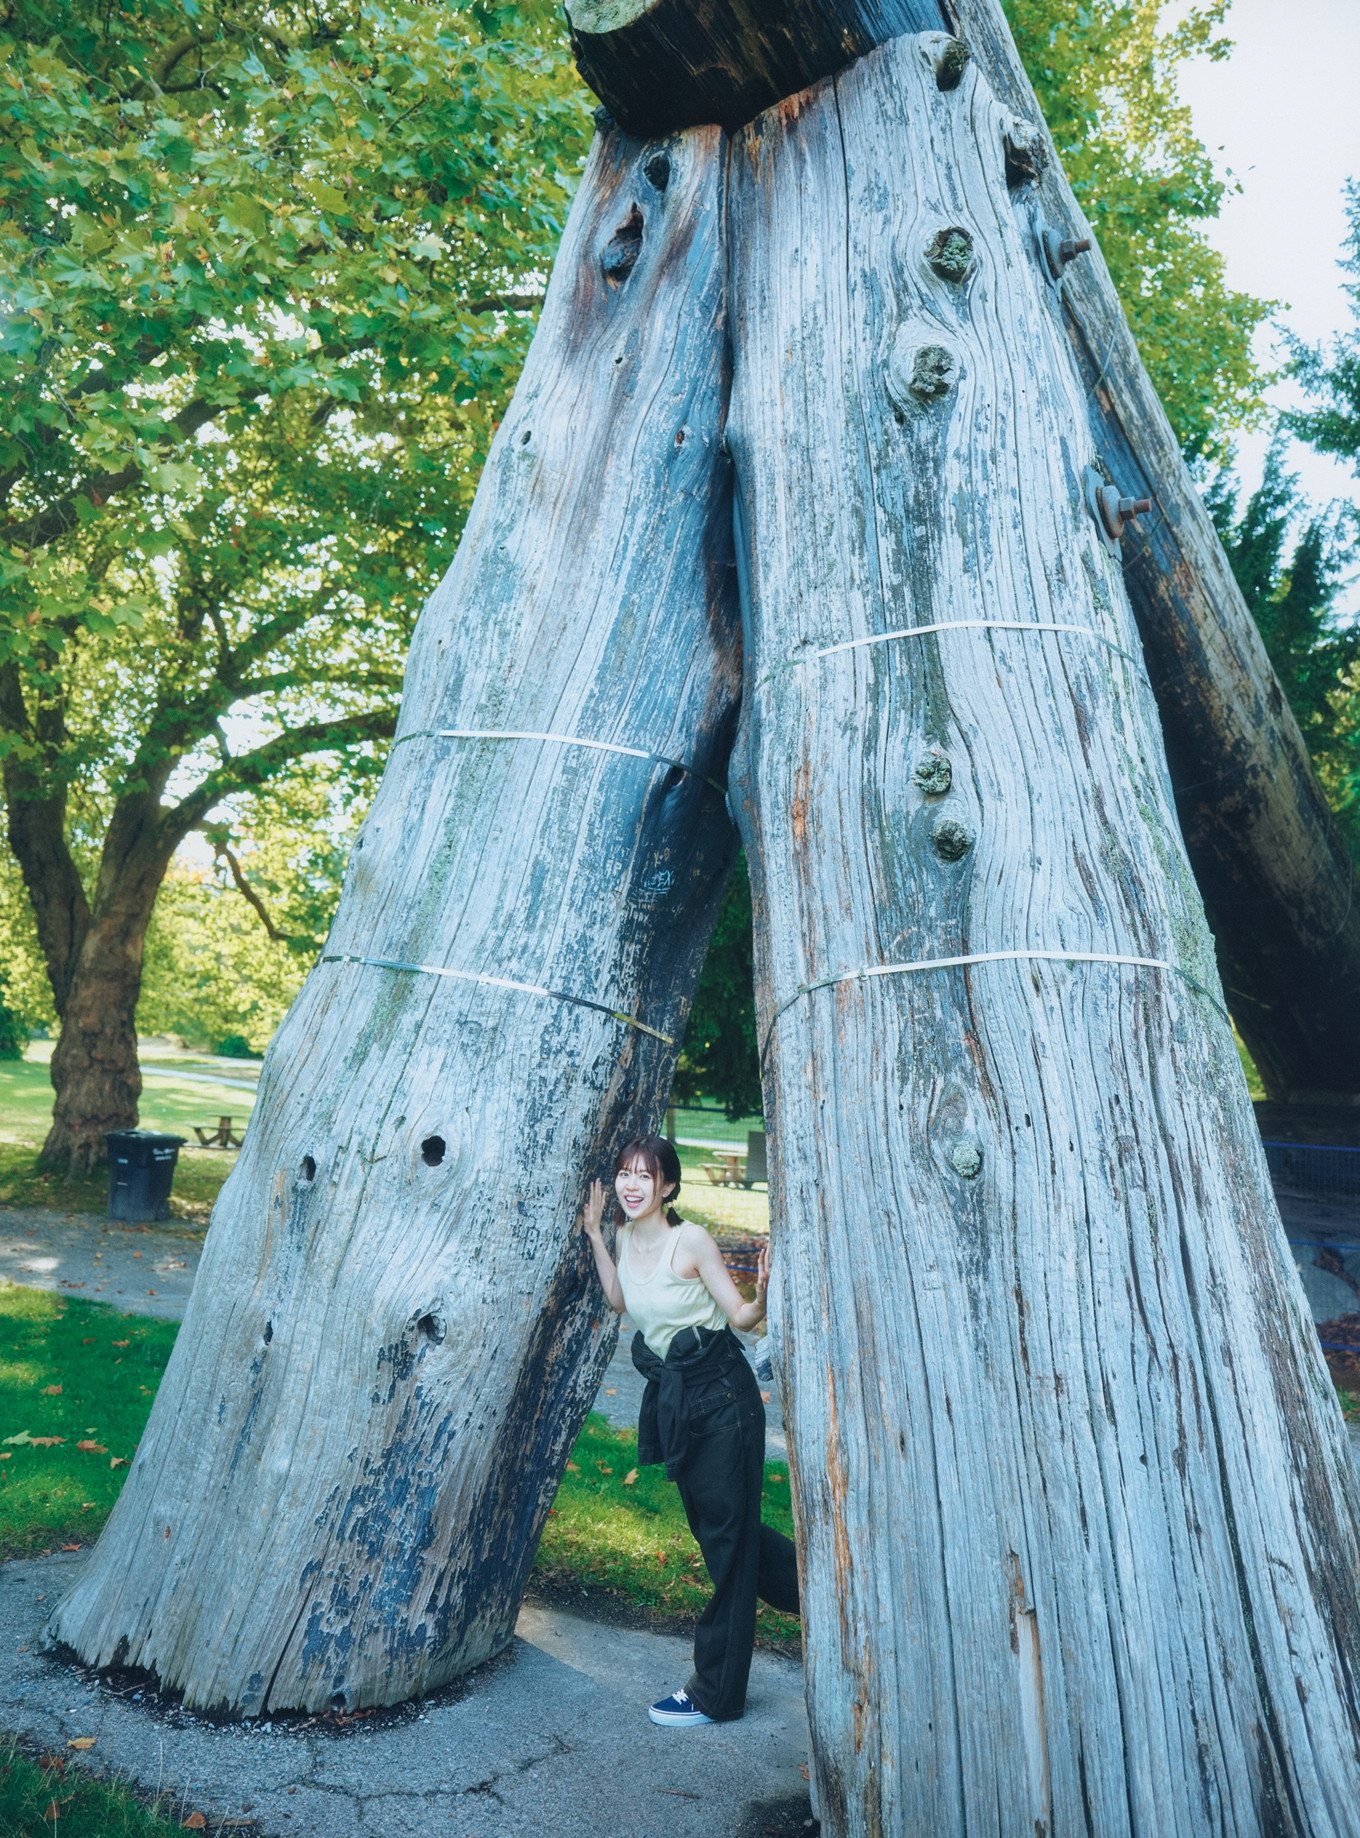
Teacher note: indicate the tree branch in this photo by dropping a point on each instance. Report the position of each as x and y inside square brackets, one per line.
[248, 893]
[249, 771]
[46, 526]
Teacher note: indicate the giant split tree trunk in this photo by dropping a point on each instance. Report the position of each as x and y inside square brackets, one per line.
[1273, 870]
[1270, 862]
[394, 1336]
[1075, 1497]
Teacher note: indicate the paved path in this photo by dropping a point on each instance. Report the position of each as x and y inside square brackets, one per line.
[145, 1272]
[134, 1268]
[551, 1738]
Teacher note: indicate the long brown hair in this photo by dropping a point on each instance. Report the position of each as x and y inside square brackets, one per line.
[660, 1160]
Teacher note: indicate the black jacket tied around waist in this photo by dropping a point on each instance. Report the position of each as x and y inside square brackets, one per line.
[698, 1359]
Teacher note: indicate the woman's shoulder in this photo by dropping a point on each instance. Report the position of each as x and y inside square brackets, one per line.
[692, 1235]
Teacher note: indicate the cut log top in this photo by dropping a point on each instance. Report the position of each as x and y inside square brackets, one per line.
[662, 65]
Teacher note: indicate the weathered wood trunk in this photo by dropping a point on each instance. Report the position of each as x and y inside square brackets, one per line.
[1273, 871]
[1074, 1494]
[1271, 865]
[394, 1335]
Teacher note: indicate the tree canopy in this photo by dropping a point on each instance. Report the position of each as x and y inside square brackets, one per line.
[1330, 372]
[1107, 77]
[269, 273]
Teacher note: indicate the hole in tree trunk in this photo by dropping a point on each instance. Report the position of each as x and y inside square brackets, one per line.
[268, 1332]
[309, 1167]
[431, 1328]
[658, 170]
[619, 256]
[432, 1151]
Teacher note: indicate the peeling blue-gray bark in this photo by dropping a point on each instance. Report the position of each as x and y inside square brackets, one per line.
[394, 1336]
[1075, 1499]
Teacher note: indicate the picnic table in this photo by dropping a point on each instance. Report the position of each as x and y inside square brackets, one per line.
[222, 1137]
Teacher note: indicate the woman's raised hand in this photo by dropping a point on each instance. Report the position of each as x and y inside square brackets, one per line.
[763, 1269]
[593, 1210]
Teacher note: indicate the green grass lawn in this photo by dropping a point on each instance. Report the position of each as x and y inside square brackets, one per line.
[26, 1112]
[40, 1797]
[77, 1372]
[71, 1373]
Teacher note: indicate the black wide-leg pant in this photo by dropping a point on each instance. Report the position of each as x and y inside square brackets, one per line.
[720, 1487]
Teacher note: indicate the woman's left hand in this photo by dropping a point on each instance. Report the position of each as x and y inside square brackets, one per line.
[763, 1270]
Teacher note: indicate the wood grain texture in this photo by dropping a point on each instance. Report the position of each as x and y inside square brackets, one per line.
[659, 65]
[1274, 873]
[387, 1355]
[1075, 1497]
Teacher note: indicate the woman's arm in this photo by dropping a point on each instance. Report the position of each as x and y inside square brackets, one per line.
[591, 1214]
[717, 1279]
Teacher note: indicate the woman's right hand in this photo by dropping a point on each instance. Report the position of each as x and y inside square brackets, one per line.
[593, 1210]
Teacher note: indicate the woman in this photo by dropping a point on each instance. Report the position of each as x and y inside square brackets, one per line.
[701, 1414]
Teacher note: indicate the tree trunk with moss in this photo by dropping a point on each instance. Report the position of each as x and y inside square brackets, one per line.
[395, 1334]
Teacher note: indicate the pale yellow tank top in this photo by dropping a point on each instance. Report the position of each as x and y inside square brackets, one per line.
[661, 1304]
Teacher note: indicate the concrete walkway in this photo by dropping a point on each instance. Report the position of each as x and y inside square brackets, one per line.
[551, 1738]
[134, 1268]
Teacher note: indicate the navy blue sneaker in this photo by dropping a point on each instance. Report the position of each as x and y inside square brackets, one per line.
[677, 1708]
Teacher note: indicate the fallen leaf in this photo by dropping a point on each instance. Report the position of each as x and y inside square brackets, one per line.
[604, 1467]
[610, 1393]
[195, 1822]
[82, 1742]
[135, 1254]
[571, 1465]
[88, 1341]
[20, 1439]
[51, 1391]
[118, 1461]
[803, 1769]
[73, 1547]
[151, 1292]
[45, 1442]
[120, 1343]
[87, 1506]
[630, 1477]
[6, 1456]
[778, 1477]
[52, 1764]
[93, 1448]
[764, 1397]
[52, 1811]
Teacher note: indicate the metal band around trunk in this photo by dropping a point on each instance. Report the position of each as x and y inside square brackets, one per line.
[986, 957]
[498, 982]
[957, 625]
[562, 740]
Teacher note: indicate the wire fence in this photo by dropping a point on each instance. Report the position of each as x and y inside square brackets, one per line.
[1314, 1171]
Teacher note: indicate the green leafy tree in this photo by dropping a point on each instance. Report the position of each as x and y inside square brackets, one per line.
[1292, 586]
[268, 273]
[1106, 77]
[236, 929]
[1330, 373]
[720, 1056]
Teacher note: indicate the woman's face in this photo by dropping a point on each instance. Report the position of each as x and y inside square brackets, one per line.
[636, 1187]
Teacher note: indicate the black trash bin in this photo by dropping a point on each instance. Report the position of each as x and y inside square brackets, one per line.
[141, 1172]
